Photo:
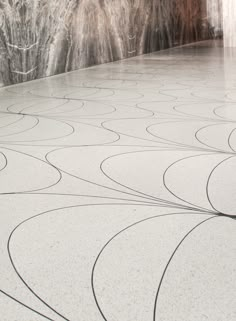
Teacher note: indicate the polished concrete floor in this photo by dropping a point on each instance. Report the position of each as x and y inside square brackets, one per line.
[118, 191]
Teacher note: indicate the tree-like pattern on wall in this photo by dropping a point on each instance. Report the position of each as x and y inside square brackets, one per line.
[40, 38]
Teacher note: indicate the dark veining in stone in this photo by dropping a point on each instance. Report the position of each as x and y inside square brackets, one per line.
[39, 38]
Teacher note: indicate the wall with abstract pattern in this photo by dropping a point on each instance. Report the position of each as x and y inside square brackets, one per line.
[39, 38]
[215, 17]
[229, 23]
[221, 20]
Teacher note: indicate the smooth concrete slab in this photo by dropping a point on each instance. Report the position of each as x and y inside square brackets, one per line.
[117, 191]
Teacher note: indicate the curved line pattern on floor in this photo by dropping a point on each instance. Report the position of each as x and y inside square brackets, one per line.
[118, 191]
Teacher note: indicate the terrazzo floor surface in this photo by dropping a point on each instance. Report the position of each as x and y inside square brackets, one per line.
[118, 191]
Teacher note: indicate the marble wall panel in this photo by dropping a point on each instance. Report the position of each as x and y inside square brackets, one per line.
[221, 20]
[40, 38]
[229, 23]
[215, 17]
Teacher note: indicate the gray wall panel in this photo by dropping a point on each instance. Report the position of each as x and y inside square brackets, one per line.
[40, 38]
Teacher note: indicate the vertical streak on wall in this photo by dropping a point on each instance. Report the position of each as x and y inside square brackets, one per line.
[229, 23]
[40, 38]
[214, 17]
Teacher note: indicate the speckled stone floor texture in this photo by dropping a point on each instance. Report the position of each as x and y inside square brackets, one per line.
[118, 191]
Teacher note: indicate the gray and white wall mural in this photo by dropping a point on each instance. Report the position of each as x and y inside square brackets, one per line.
[221, 19]
[39, 38]
[229, 23]
[215, 17]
